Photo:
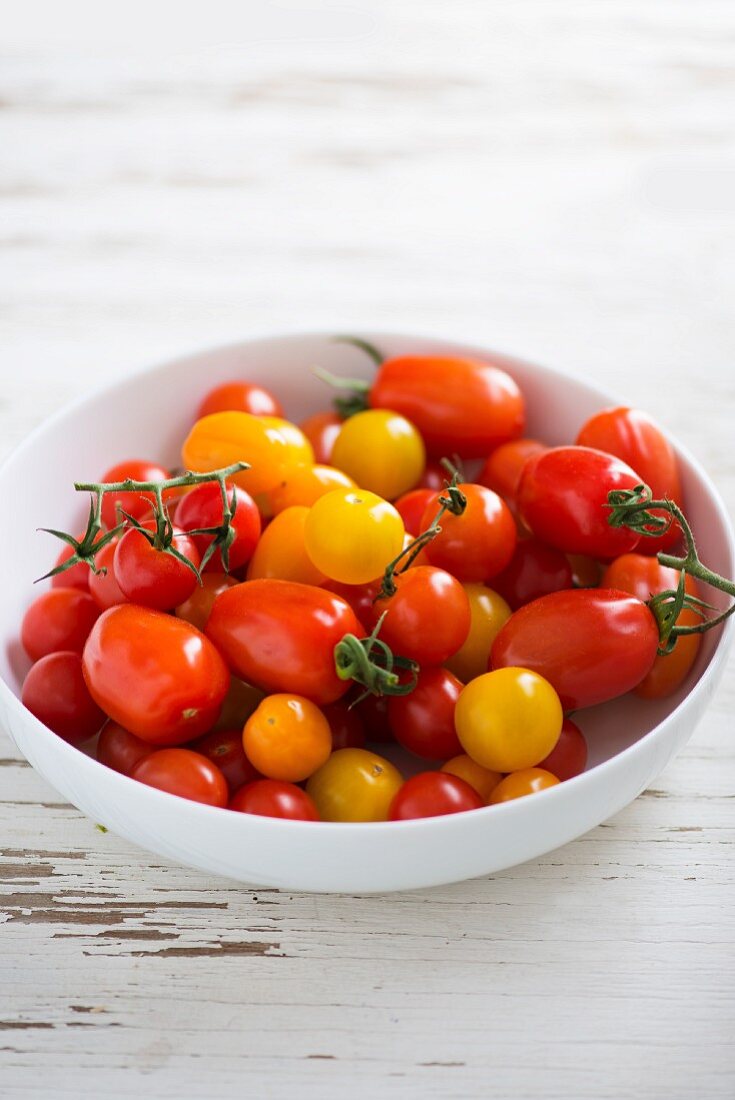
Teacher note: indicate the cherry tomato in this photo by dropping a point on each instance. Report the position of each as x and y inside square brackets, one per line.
[202, 507]
[586, 572]
[411, 507]
[240, 702]
[305, 485]
[152, 577]
[502, 470]
[321, 430]
[281, 552]
[154, 674]
[569, 755]
[196, 610]
[240, 397]
[479, 543]
[508, 719]
[301, 449]
[562, 498]
[458, 405]
[225, 749]
[433, 794]
[354, 785]
[423, 721]
[136, 504]
[481, 779]
[287, 737]
[488, 612]
[54, 690]
[521, 783]
[591, 644]
[373, 712]
[184, 773]
[642, 577]
[103, 586]
[120, 749]
[382, 451]
[360, 597]
[280, 636]
[427, 619]
[347, 728]
[58, 619]
[273, 798]
[223, 438]
[351, 535]
[534, 570]
[77, 576]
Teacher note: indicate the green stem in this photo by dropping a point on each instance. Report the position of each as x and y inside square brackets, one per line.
[356, 659]
[377, 357]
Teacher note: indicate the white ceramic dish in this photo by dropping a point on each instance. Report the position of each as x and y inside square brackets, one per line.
[630, 741]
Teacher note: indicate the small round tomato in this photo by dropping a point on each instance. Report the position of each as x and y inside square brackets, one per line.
[360, 597]
[508, 719]
[54, 690]
[433, 794]
[301, 449]
[488, 613]
[120, 749]
[346, 725]
[382, 451]
[152, 577]
[479, 543]
[281, 552]
[502, 470]
[351, 535]
[245, 397]
[373, 712]
[196, 610]
[411, 507]
[423, 721]
[239, 703]
[483, 780]
[321, 430]
[521, 783]
[202, 507]
[569, 755]
[273, 798]
[427, 618]
[223, 438]
[103, 586]
[154, 674]
[225, 749]
[287, 737]
[184, 773]
[136, 503]
[534, 570]
[305, 485]
[354, 785]
[59, 619]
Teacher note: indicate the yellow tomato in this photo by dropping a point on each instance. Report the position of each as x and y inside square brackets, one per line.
[508, 719]
[351, 535]
[354, 785]
[305, 485]
[382, 451]
[301, 449]
[281, 551]
[521, 783]
[481, 779]
[224, 438]
[489, 612]
[287, 737]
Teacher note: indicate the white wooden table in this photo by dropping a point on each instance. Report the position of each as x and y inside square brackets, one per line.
[556, 179]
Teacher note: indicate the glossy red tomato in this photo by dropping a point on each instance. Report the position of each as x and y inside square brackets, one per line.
[348, 730]
[280, 636]
[433, 794]
[459, 405]
[562, 499]
[103, 586]
[479, 543]
[120, 749]
[135, 504]
[502, 470]
[535, 570]
[240, 397]
[224, 748]
[154, 674]
[59, 619]
[569, 756]
[591, 644]
[360, 597]
[151, 577]
[54, 690]
[411, 507]
[184, 773]
[275, 798]
[321, 430]
[427, 619]
[423, 721]
[202, 507]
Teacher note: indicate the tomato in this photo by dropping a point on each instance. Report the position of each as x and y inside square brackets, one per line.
[569, 755]
[301, 449]
[535, 570]
[202, 507]
[245, 397]
[346, 725]
[272, 798]
[224, 438]
[58, 619]
[423, 721]
[54, 690]
[502, 470]
[120, 749]
[360, 597]
[562, 499]
[482, 779]
[427, 619]
[411, 507]
[240, 702]
[458, 405]
[103, 586]
[488, 612]
[351, 535]
[225, 749]
[184, 773]
[154, 674]
[591, 644]
[197, 608]
[77, 576]
[433, 794]
[634, 437]
[305, 485]
[382, 451]
[508, 719]
[354, 785]
[477, 544]
[321, 430]
[287, 737]
[373, 712]
[586, 572]
[280, 636]
[152, 577]
[521, 783]
[434, 476]
[136, 504]
[642, 577]
[281, 552]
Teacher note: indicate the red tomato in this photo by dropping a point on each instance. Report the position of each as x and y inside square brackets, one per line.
[184, 773]
[373, 712]
[427, 619]
[151, 577]
[120, 749]
[154, 674]
[569, 756]
[321, 430]
[78, 575]
[348, 730]
[196, 610]
[202, 507]
[54, 690]
[360, 597]
[434, 476]
[502, 470]
[562, 498]
[535, 570]
[476, 545]
[240, 397]
[280, 636]
[411, 507]
[458, 405]
[423, 721]
[591, 644]
[275, 798]
[135, 504]
[59, 619]
[103, 586]
[433, 794]
[224, 748]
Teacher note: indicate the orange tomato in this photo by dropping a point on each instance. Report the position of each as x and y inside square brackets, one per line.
[483, 780]
[287, 737]
[305, 485]
[223, 438]
[518, 784]
[281, 552]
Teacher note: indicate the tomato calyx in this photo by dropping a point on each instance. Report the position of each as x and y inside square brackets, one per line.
[355, 399]
[85, 549]
[371, 662]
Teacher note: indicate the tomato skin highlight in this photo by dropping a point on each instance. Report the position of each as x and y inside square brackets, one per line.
[522, 783]
[224, 748]
[184, 773]
[287, 737]
[569, 755]
[120, 749]
[534, 570]
[59, 619]
[153, 577]
[354, 785]
[55, 692]
[202, 507]
[591, 644]
[136, 504]
[427, 618]
[433, 794]
[240, 397]
[274, 798]
[423, 721]
[479, 543]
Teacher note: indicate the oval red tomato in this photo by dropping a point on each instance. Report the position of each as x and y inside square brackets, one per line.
[59, 619]
[184, 773]
[275, 798]
[54, 690]
[433, 794]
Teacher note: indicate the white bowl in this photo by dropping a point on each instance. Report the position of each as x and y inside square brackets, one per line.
[631, 741]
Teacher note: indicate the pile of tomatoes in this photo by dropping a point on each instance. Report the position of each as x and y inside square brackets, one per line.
[257, 641]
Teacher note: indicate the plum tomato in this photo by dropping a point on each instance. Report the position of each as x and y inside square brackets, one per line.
[274, 798]
[287, 737]
[55, 692]
[225, 749]
[155, 674]
[482, 779]
[346, 725]
[120, 749]
[523, 782]
[184, 773]
[591, 644]
[382, 451]
[502, 470]
[305, 485]
[433, 794]
[59, 619]
[428, 616]
[479, 543]
[423, 721]
[103, 586]
[488, 613]
[196, 609]
[352, 534]
[281, 552]
[354, 785]
[569, 755]
[411, 507]
[202, 507]
[136, 504]
[240, 397]
[534, 570]
[321, 430]
[153, 577]
[223, 438]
